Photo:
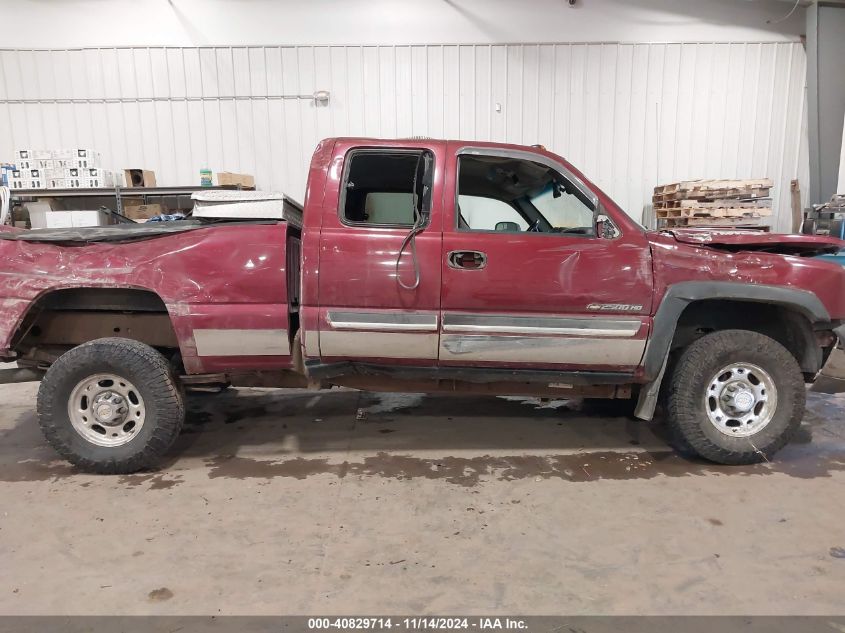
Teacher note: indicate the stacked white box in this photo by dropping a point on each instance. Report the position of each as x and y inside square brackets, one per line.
[27, 179]
[32, 154]
[49, 219]
[26, 184]
[77, 168]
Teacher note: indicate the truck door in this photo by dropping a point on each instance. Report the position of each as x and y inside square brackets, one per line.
[533, 275]
[370, 309]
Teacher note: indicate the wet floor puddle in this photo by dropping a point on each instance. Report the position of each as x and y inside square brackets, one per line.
[462, 471]
[470, 471]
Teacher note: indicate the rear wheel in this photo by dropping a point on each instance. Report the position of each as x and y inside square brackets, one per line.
[111, 406]
[736, 397]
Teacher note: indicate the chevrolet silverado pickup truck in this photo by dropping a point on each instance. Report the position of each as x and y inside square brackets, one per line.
[422, 266]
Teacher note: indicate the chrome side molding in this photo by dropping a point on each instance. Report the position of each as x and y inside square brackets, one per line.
[382, 321]
[561, 326]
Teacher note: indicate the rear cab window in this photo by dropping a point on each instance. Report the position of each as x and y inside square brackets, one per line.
[381, 187]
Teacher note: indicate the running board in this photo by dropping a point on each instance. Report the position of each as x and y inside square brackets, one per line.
[326, 371]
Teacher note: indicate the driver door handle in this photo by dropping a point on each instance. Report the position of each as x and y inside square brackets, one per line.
[467, 260]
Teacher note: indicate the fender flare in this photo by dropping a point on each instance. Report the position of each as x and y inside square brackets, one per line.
[679, 296]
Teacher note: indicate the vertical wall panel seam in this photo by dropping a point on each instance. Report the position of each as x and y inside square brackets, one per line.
[7, 107]
[768, 137]
[155, 117]
[781, 186]
[742, 101]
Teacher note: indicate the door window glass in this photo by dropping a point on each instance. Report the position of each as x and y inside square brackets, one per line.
[378, 187]
[514, 195]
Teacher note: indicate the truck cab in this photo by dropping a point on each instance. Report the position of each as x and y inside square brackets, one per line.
[475, 257]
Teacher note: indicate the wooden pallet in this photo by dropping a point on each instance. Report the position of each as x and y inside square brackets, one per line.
[713, 194]
[762, 203]
[709, 185]
[742, 222]
[712, 212]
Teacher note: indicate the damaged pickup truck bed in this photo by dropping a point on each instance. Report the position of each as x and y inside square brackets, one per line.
[426, 266]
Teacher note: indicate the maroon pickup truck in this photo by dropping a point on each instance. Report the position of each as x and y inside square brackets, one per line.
[422, 266]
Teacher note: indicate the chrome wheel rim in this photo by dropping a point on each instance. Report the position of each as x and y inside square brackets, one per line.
[741, 399]
[106, 410]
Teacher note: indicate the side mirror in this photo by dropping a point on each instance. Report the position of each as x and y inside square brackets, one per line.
[605, 228]
[508, 227]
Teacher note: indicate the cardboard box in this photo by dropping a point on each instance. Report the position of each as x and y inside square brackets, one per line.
[90, 156]
[72, 172]
[32, 154]
[37, 212]
[139, 177]
[77, 218]
[45, 218]
[81, 162]
[26, 183]
[143, 211]
[226, 178]
[85, 178]
[57, 158]
[97, 182]
[26, 174]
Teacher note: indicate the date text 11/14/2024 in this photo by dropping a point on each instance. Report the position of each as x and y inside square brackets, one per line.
[416, 623]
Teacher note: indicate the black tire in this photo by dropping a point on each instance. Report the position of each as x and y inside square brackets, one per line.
[690, 426]
[145, 369]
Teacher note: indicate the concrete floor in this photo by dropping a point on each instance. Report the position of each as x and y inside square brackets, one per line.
[344, 502]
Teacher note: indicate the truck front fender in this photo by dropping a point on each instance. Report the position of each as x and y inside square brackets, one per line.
[679, 296]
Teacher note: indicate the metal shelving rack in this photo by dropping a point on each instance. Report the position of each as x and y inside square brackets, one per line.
[19, 196]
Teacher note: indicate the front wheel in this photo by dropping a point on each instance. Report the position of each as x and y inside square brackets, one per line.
[110, 406]
[735, 397]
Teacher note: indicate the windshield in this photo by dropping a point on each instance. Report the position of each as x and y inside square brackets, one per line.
[561, 210]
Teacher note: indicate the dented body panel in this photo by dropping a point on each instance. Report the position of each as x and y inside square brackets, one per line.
[676, 262]
[214, 279]
[543, 302]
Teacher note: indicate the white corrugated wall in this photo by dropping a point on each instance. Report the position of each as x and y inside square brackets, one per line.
[629, 115]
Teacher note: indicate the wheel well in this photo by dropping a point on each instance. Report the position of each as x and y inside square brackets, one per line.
[787, 326]
[62, 319]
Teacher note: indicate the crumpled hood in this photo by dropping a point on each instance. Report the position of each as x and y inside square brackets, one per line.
[738, 240]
